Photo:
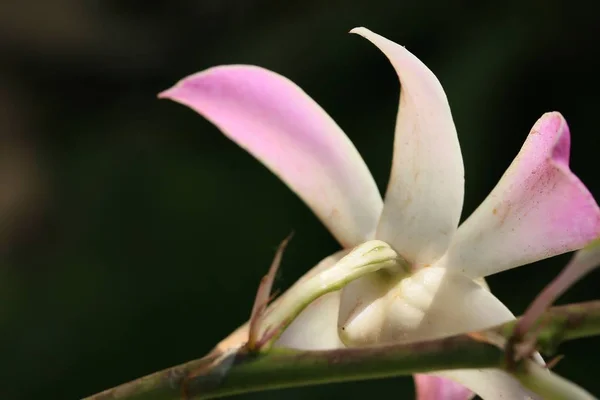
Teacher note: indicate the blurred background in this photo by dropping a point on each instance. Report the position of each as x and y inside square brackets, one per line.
[133, 234]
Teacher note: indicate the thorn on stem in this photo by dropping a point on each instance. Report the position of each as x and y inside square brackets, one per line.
[269, 334]
[581, 263]
[552, 363]
[523, 343]
[264, 296]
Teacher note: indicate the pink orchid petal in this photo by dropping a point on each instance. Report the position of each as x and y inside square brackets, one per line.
[280, 125]
[425, 192]
[538, 209]
[429, 387]
[490, 384]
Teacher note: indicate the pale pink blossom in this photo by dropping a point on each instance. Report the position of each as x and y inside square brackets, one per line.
[538, 209]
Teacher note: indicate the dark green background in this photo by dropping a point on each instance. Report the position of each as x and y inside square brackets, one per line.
[133, 234]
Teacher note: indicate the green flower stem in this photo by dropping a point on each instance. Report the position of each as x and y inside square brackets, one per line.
[240, 371]
[559, 324]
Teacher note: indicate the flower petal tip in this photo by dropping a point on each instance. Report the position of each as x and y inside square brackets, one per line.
[539, 209]
[426, 187]
[177, 92]
[359, 30]
[278, 123]
[429, 387]
[554, 126]
[165, 94]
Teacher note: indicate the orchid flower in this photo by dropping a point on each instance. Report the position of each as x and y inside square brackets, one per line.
[538, 209]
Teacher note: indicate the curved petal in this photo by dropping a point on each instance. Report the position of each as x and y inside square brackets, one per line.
[280, 125]
[435, 302]
[430, 387]
[431, 303]
[316, 327]
[363, 309]
[538, 209]
[425, 192]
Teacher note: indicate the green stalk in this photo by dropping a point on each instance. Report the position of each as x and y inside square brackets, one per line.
[242, 371]
[561, 323]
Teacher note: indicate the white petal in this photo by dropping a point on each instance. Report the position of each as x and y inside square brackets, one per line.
[431, 304]
[450, 304]
[363, 310]
[425, 193]
[279, 124]
[316, 327]
[435, 302]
